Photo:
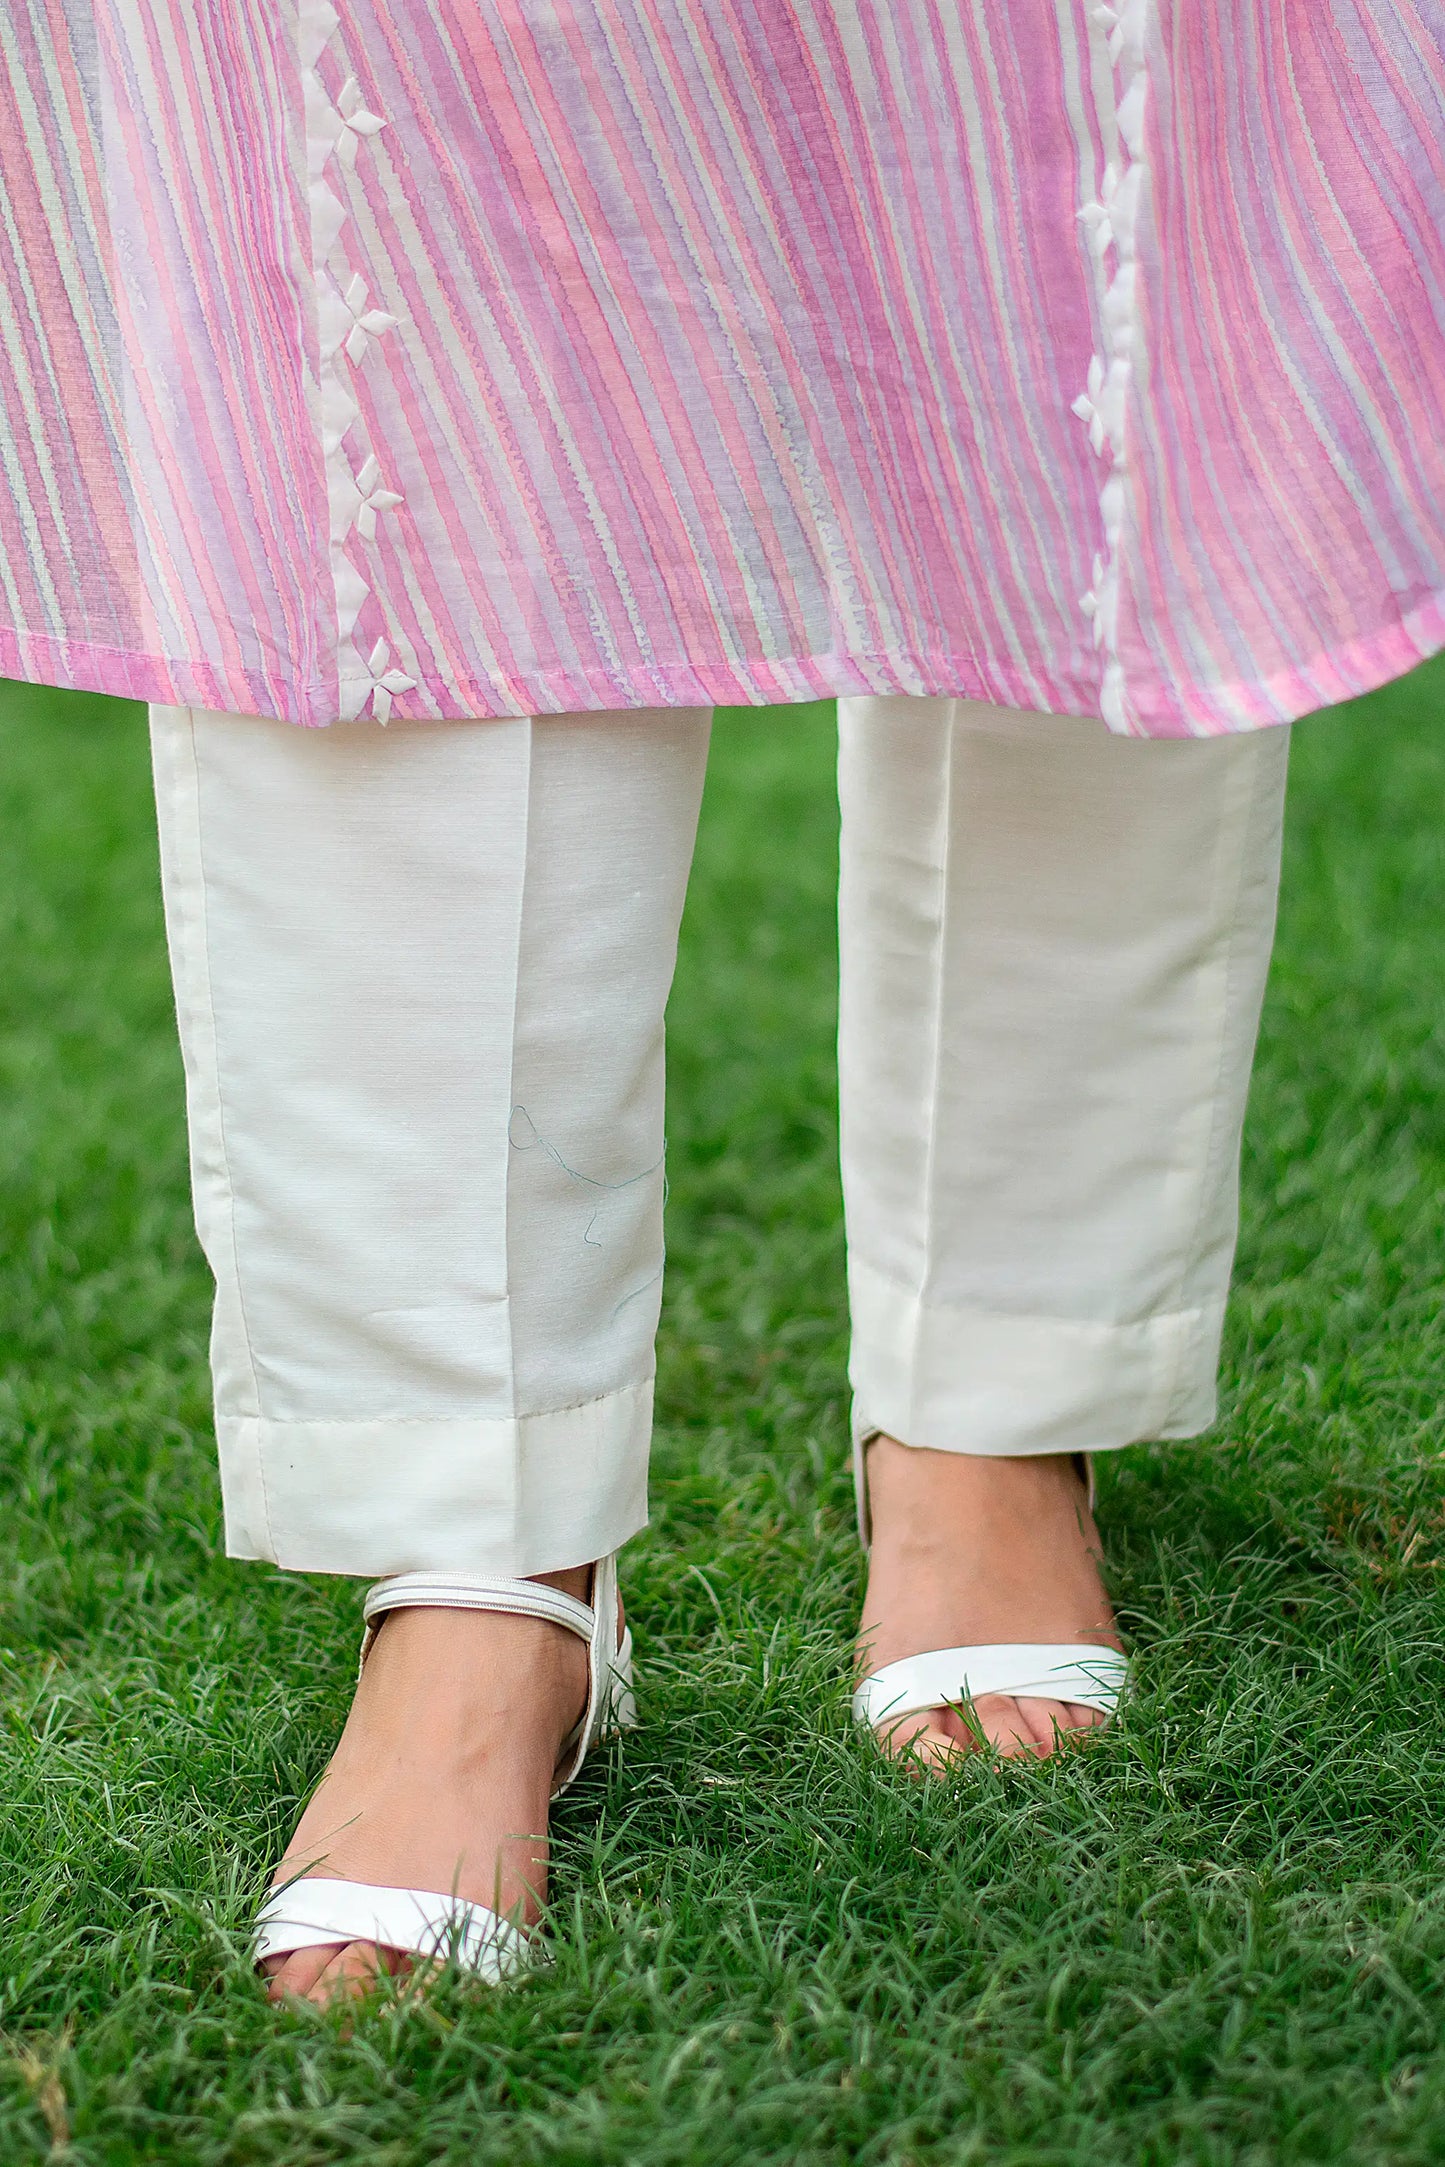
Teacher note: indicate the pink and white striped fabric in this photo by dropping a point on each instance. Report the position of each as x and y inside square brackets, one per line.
[460, 357]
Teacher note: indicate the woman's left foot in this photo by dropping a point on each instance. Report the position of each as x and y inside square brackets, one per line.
[968, 1550]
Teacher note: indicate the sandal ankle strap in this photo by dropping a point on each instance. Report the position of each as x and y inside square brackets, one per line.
[467, 1591]
[609, 1670]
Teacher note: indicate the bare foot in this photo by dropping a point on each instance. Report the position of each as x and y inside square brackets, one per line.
[442, 1777]
[968, 1550]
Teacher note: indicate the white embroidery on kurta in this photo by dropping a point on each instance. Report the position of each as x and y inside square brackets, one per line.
[1111, 226]
[373, 497]
[385, 682]
[366, 323]
[356, 496]
[356, 122]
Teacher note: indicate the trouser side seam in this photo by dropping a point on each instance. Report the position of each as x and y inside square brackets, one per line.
[189, 888]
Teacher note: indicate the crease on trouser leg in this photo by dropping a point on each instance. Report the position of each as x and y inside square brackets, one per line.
[420, 975]
[1054, 946]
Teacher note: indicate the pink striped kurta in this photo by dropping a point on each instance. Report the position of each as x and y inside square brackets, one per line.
[459, 357]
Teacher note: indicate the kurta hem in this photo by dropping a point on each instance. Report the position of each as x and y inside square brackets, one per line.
[1324, 681]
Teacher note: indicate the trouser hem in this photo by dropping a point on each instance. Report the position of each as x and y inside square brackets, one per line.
[507, 1495]
[960, 1379]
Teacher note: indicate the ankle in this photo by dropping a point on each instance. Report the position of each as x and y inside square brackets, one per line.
[969, 1550]
[472, 1683]
[573, 1580]
[916, 1493]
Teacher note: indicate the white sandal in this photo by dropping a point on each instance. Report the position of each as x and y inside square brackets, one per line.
[1078, 1672]
[310, 1911]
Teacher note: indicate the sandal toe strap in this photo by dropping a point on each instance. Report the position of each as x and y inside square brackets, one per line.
[309, 1913]
[1080, 1673]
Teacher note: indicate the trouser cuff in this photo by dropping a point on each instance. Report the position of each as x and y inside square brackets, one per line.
[511, 1495]
[980, 1381]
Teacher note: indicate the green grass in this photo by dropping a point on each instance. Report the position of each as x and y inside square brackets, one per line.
[1217, 1937]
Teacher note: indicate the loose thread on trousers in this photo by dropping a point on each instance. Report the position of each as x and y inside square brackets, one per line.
[539, 1142]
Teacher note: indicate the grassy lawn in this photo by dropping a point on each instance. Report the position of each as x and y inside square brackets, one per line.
[1218, 1936]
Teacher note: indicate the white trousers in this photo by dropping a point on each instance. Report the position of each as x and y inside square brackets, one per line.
[421, 974]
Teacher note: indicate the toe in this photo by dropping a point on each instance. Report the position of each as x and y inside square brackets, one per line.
[927, 1742]
[358, 1970]
[291, 1978]
[339, 1971]
[923, 1741]
[1029, 1728]
[933, 1739]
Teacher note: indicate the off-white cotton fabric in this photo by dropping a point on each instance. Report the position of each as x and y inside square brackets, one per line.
[1054, 949]
[421, 974]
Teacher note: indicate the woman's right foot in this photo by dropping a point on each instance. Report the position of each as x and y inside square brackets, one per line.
[442, 1777]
